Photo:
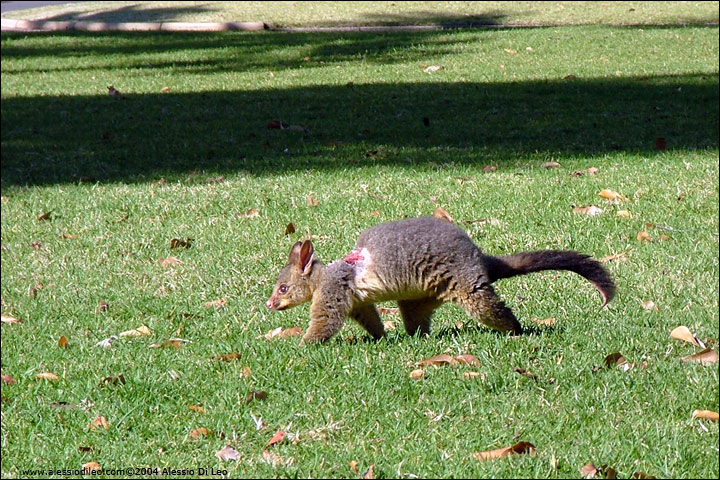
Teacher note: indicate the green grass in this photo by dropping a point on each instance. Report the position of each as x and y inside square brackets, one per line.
[329, 14]
[98, 162]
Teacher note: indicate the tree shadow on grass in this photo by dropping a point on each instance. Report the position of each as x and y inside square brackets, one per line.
[142, 137]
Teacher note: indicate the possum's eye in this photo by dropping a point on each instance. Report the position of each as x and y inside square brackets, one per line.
[283, 289]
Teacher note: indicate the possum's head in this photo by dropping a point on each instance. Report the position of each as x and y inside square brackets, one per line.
[295, 283]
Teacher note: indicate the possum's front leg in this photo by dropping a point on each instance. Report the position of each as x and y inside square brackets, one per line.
[331, 304]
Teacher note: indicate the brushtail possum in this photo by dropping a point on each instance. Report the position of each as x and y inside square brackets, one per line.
[421, 263]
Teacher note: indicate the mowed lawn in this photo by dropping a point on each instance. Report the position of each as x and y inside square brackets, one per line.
[167, 206]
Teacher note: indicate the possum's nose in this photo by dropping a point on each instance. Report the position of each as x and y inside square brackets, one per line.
[269, 303]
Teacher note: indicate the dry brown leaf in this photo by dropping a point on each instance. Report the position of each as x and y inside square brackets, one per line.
[443, 214]
[277, 438]
[517, 449]
[590, 210]
[137, 332]
[490, 168]
[227, 453]
[643, 236]
[388, 310]
[525, 373]
[173, 342]
[623, 213]
[90, 468]
[112, 91]
[473, 374]
[196, 408]
[180, 243]
[311, 202]
[256, 395]
[219, 303]
[592, 171]
[68, 236]
[442, 359]
[641, 475]
[706, 414]
[8, 379]
[369, 474]
[468, 359]
[509, 51]
[289, 228]
[165, 89]
[199, 432]
[113, 380]
[275, 459]
[610, 258]
[10, 320]
[45, 216]
[683, 333]
[649, 305]
[433, 68]
[102, 307]
[612, 195]
[550, 165]
[569, 77]
[589, 471]
[615, 359]
[169, 262]
[389, 325]
[252, 213]
[246, 372]
[417, 374]
[706, 357]
[353, 467]
[47, 376]
[99, 422]
[226, 357]
[546, 322]
[279, 332]
[63, 342]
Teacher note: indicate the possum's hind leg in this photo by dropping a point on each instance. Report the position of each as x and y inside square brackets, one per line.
[416, 314]
[484, 305]
[368, 317]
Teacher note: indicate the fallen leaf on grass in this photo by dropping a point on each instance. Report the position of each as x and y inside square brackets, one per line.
[590, 210]
[706, 414]
[289, 228]
[165, 89]
[8, 379]
[137, 332]
[618, 360]
[490, 168]
[389, 325]
[706, 357]
[219, 303]
[525, 373]
[113, 380]
[509, 51]
[226, 357]
[517, 449]
[173, 342]
[683, 333]
[649, 305]
[643, 236]
[550, 165]
[180, 243]
[68, 236]
[45, 216]
[545, 322]
[99, 422]
[169, 262]
[610, 258]
[112, 91]
[443, 359]
[468, 359]
[252, 213]
[63, 406]
[277, 438]
[311, 202]
[433, 68]
[473, 374]
[388, 310]
[279, 332]
[196, 408]
[199, 432]
[442, 214]
[63, 342]
[102, 307]
[417, 374]
[612, 195]
[641, 475]
[588, 471]
[10, 320]
[90, 468]
[227, 453]
[256, 395]
[275, 459]
[47, 376]
[623, 213]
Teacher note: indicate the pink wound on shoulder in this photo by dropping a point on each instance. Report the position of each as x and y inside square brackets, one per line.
[353, 257]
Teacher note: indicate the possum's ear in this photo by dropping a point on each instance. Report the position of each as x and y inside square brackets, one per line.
[307, 253]
[295, 253]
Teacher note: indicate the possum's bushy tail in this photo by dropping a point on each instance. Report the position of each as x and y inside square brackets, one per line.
[528, 262]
